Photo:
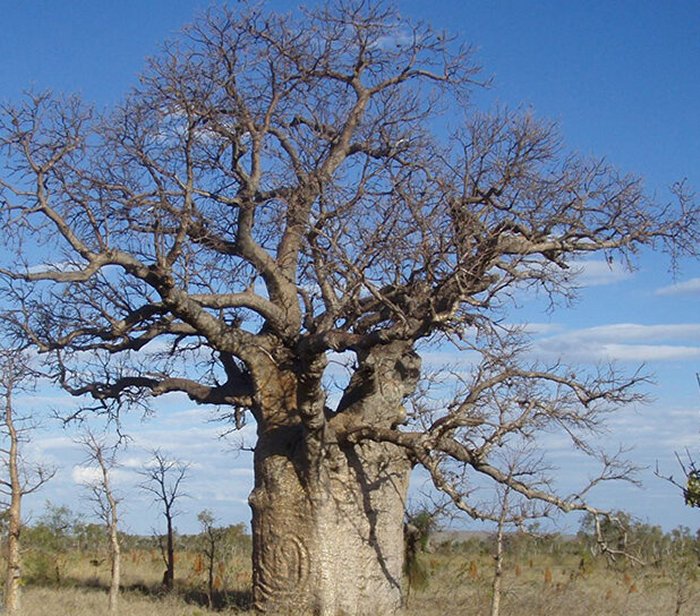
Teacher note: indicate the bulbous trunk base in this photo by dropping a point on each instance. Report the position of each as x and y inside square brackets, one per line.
[328, 540]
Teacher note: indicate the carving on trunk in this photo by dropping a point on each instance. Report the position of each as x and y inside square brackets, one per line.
[286, 569]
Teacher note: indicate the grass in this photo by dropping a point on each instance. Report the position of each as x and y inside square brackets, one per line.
[553, 587]
[67, 601]
[460, 578]
[78, 586]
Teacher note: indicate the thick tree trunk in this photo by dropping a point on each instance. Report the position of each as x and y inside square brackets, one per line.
[328, 514]
[332, 545]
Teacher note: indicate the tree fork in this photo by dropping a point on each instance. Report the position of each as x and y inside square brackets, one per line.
[328, 524]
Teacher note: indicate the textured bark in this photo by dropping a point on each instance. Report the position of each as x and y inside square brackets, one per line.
[169, 577]
[497, 581]
[328, 514]
[333, 547]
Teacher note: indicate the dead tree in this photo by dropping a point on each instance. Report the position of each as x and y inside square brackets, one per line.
[163, 478]
[282, 189]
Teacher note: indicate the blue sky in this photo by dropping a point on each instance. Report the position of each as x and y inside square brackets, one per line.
[623, 81]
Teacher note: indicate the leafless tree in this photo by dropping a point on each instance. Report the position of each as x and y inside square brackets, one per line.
[212, 538]
[106, 502]
[497, 581]
[163, 478]
[16, 375]
[510, 510]
[282, 188]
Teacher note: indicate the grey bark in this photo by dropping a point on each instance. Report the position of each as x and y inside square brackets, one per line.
[115, 567]
[497, 581]
[111, 515]
[327, 513]
[22, 478]
[330, 548]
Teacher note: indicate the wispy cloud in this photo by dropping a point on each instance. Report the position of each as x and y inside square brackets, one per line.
[687, 287]
[86, 475]
[395, 38]
[624, 342]
[542, 329]
[640, 332]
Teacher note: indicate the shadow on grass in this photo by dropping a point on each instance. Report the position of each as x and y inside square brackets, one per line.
[221, 599]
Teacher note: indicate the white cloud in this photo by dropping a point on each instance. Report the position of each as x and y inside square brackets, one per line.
[395, 38]
[53, 442]
[637, 331]
[624, 342]
[647, 352]
[136, 462]
[86, 475]
[59, 266]
[688, 287]
[541, 329]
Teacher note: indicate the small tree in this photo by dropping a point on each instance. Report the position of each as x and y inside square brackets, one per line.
[510, 510]
[613, 536]
[51, 539]
[22, 478]
[212, 538]
[420, 524]
[163, 479]
[106, 502]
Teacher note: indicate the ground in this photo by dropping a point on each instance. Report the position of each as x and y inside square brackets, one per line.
[545, 582]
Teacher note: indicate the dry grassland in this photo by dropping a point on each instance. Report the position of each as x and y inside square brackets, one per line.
[555, 587]
[459, 585]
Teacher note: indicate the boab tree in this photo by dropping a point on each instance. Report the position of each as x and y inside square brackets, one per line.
[279, 189]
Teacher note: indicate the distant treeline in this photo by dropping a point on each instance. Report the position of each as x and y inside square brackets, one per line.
[60, 534]
[623, 541]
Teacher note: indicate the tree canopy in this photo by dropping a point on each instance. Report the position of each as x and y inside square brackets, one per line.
[292, 191]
